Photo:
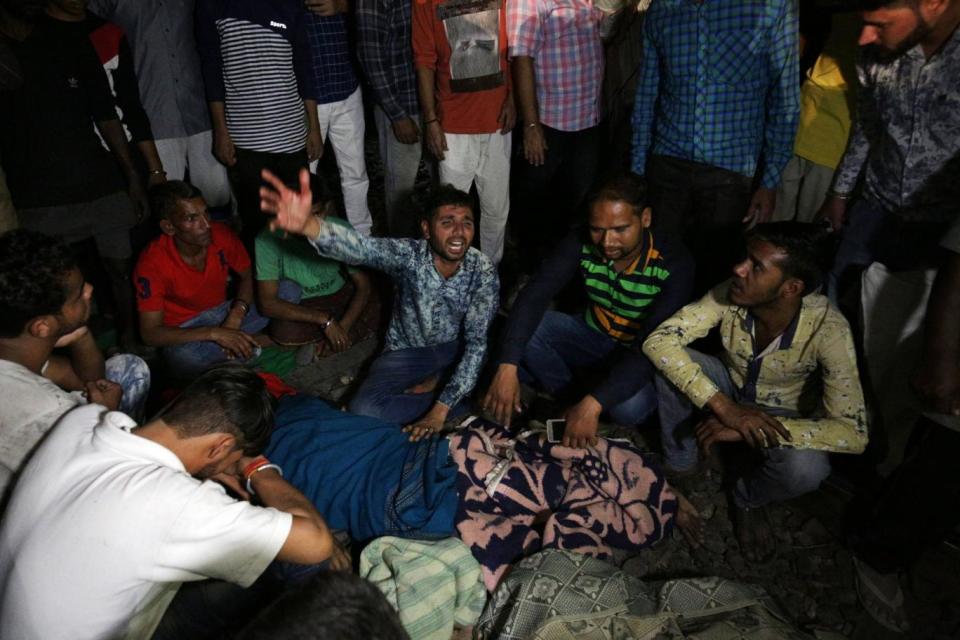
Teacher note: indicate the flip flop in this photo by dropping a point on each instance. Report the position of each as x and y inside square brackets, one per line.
[886, 608]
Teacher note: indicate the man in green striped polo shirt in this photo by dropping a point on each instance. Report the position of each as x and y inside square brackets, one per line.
[633, 281]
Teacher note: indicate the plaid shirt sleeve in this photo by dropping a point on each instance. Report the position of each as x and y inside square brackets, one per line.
[783, 99]
[476, 326]
[372, 27]
[524, 28]
[645, 103]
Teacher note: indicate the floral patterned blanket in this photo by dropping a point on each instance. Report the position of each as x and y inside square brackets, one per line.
[520, 494]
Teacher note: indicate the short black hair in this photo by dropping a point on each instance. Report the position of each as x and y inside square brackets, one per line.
[33, 274]
[873, 5]
[333, 606]
[625, 188]
[808, 249]
[446, 195]
[226, 399]
[165, 197]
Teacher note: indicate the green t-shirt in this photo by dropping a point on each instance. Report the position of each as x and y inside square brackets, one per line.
[293, 258]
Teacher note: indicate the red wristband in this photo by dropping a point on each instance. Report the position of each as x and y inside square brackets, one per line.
[255, 464]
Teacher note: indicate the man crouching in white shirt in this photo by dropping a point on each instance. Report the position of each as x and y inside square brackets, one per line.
[108, 518]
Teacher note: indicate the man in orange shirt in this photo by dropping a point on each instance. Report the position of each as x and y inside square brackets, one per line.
[460, 52]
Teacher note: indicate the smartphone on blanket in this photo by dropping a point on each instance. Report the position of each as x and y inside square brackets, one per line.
[555, 429]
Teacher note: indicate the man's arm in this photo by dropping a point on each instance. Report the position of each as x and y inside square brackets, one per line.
[783, 97]
[361, 294]
[372, 29]
[84, 364]
[848, 172]
[524, 36]
[211, 64]
[243, 300]
[844, 428]
[645, 102]
[309, 540]
[476, 326]
[234, 342]
[273, 307]
[666, 345]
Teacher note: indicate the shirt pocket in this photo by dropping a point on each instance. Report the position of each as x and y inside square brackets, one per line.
[568, 19]
[739, 58]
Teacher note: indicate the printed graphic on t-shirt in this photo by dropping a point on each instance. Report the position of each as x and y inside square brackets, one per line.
[473, 32]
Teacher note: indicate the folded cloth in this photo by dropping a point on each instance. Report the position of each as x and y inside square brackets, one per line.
[587, 500]
[364, 475]
[433, 585]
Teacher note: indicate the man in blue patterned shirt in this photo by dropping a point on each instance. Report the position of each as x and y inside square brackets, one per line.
[446, 294]
[718, 88]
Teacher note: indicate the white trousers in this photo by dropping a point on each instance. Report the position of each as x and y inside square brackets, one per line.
[400, 165]
[344, 124]
[195, 153]
[893, 305]
[483, 158]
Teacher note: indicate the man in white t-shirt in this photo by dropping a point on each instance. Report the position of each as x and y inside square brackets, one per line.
[108, 519]
[45, 305]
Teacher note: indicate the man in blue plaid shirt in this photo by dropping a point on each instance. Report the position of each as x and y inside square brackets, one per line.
[718, 88]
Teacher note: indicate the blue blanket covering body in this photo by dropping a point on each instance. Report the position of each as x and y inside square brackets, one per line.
[364, 475]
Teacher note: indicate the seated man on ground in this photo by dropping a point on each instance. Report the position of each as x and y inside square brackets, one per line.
[446, 296]
[634, 282]
[181, 280]
[316, 303]
[125, 514]
[783, 345]
[46, 304]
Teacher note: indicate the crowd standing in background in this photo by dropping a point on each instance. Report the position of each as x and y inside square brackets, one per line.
[769, 279]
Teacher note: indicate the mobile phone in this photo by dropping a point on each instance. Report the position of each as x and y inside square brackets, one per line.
[555, 429]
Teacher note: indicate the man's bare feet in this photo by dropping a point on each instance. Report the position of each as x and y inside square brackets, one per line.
[689, 522]
[754, 534]
[426, 386]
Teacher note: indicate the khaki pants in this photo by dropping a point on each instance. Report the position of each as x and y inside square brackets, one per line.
[803, 188]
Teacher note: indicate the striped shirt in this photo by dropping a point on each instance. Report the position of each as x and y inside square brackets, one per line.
[621, 301]
[653, 288]
[256, 58]
[563, 38]
[718, 85]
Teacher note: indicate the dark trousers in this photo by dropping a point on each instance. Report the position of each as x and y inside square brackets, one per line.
[704, 205]
[245, 176]
[918, 507]
[548, 199]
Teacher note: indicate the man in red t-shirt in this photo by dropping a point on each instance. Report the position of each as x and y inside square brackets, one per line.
[181, 281]
[460, 51]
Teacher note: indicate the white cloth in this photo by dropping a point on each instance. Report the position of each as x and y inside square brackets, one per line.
[103, 527]
[342, 122]
[196, 154]
[483, 158]
[29, 405]
[894, 306]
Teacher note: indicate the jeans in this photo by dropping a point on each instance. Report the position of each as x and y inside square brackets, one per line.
[343, 124]
[856, 249]
[192, 358]
[133, 375]
[383, 393]
[704, 205]
[782, 474]
[564, 342]
[483, 158]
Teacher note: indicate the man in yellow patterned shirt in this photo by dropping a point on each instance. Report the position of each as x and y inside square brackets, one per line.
[786, 383]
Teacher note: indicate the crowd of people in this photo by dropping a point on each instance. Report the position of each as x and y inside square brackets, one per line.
[771, 279]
